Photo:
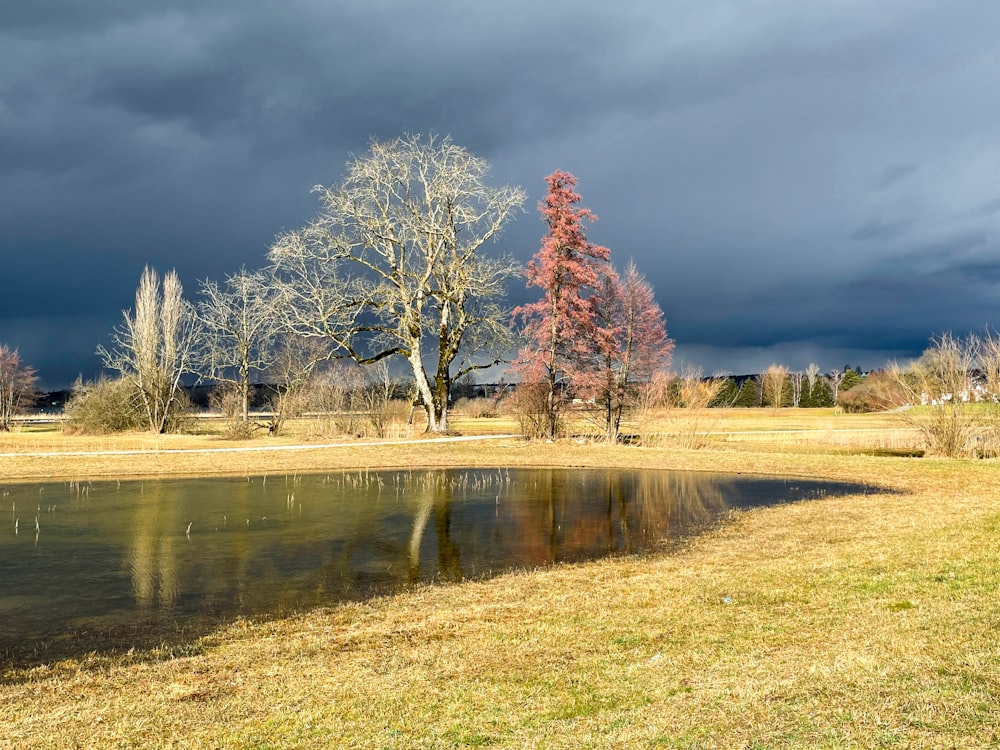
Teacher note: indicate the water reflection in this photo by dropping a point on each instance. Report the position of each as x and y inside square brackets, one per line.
[126, 558]
[152, 554]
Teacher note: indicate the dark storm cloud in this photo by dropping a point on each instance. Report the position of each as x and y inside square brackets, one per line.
[793, 178]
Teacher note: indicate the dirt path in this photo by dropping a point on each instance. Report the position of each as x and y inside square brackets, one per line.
[255, 448]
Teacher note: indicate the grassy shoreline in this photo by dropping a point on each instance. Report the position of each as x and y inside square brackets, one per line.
[859, 621]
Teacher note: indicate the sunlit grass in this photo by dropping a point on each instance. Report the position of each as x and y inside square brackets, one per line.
[786, 431]
[860, 621]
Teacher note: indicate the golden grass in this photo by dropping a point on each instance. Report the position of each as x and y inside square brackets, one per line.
[860, 621]
[785, 431]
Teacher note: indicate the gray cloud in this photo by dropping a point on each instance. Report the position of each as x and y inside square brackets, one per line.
[882, 230]
[894, 173]
[791, 177]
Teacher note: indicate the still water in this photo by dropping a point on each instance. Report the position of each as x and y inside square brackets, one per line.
[86, 565]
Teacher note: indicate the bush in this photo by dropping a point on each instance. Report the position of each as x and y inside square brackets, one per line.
[529, 405]
[387, 418]
[227, 400]
[335, 396]
[941, 387]
[477, 408]
[877, 392]
[106, 406]
[103, 407]
[180, 418]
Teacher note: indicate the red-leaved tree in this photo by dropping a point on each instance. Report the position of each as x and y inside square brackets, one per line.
[630, 345]
[561, 328]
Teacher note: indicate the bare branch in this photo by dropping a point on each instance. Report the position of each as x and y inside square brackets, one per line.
[391, 264]
[153, 347]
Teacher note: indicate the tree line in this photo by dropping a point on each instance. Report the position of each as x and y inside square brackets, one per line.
[778, 387]
[393, 266]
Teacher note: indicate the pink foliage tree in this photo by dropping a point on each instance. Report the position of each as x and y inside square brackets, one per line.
[561, 327]
[630, 345]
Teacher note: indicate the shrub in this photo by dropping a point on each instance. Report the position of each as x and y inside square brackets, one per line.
[104, 406]
[180, 415]
[877, 392]
[226, 399]
[941, 387]
[477, 408]
[529, 405]
[335, 396]
[388, 419]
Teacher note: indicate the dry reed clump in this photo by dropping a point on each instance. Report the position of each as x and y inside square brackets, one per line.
[476, 408]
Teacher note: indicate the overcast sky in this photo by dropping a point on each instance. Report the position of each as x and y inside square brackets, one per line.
[800, 181]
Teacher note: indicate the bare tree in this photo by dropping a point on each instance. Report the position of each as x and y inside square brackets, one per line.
[291, 372]
[17, 386]
[796, 379]
[812, 374]
[835, 378]
[239, 325]
[812, 377]
[392, 265]
[335, 394]
[772, 385]
[153, 347]
[939, 386]
[633, 342]
[376, 399]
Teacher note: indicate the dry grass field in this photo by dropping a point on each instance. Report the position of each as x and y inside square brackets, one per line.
[44, 451]
[865, 621]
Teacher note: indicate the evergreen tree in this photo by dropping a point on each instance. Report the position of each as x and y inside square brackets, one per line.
[823, 394]
[851, 379]
[749, 395]
[727, 394]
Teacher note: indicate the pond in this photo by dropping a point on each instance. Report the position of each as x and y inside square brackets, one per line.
[96, 565]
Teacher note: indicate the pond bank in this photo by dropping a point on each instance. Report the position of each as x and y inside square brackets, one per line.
[855, 621]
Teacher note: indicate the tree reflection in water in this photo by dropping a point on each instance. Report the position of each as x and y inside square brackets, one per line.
[131, 554]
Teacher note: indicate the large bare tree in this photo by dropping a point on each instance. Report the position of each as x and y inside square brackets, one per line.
[17, 386]
[391, 265]
[239, 325]
[152, 348]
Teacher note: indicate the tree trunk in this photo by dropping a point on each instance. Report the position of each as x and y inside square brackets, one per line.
[551, 406]
[244, 392]
[424, 389]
